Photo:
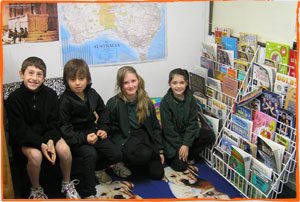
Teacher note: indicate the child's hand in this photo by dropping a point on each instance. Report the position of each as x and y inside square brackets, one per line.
[102, 134]
[183, 153]
[48, 152]
[92, 138]
[51, 151]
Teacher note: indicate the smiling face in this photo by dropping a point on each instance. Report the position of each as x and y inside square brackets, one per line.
[33, 77]
[178, 85]
[130, 86]
[77, 84]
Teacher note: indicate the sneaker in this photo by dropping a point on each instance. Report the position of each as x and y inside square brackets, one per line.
[91, 197]
[121, 171]
[103, 177]
[37, 193]
[69, 190]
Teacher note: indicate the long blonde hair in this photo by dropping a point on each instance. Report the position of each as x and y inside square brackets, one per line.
[143, 100]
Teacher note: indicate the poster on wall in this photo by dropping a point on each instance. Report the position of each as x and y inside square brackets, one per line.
[105, 33]
[29, 22]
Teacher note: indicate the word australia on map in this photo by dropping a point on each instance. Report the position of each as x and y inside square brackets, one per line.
[104, 33]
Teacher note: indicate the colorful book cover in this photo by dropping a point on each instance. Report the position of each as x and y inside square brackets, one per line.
[261, 177]
[264, 125]
[241, 65]
[279, 53]
[230, 43]
[248, 42]
[209, 65]
[156, 102]
[271, 63]
[241, 126]
[243, 112]
[214, 84]
[230, 86]
[250, 96]
[240, 162]
[290, 100]
[293, 62]
[283, 82]
[286, 121]
[283, 140]
[232, 73]
[270, 103]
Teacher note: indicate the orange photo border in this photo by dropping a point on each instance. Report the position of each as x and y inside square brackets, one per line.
[141, 1]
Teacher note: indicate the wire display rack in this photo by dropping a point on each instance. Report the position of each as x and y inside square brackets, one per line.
[218, 159]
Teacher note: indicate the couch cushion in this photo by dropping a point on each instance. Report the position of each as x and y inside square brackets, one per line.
[56, 84]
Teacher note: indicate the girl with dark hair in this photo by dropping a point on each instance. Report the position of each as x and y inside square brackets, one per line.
[183, 138]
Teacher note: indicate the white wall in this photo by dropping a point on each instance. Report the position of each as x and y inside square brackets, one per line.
[186, 29]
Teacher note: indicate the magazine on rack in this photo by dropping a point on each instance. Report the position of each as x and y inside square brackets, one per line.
[241, 126]
[229, 138]
[261, 177]
[270, 153]
[240, 162]
[263, 76]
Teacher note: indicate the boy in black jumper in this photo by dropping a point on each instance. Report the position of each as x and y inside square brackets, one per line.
[34, 127]
[85, 125]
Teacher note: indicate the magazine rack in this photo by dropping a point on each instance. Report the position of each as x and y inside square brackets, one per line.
[219, 159]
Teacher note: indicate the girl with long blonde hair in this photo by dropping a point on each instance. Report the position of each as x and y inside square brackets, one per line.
[135, 127]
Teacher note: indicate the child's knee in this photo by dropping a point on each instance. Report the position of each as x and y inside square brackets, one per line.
[34, 156]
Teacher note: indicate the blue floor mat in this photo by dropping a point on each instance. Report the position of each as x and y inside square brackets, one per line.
[160, 189]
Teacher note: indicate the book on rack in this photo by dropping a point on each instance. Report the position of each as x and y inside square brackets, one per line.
[270, 153]
[286, 121]
[263, 75]
[261, 177]
[209, 50]
[221, 71]
[270, 103]
[283, 140]
[215, 86]
[293, 62]
[201, 71]
[283, 82]
[241, 126]
[248, 42]
[264, 125]
[271, 63]
[280, 53]
[248, 147]
[229, 138]
[214, 122]
[232, 73]
[290, 100]
[241, 65]
[197, 84]
[219, 32]
[250, 96]
[219, 160]
[225, 57]
[230, 43]
[244, 56]
[200, 99]
[219, 109]
[209, 65]
[230, 86]
[240, 161]
[243, 112]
